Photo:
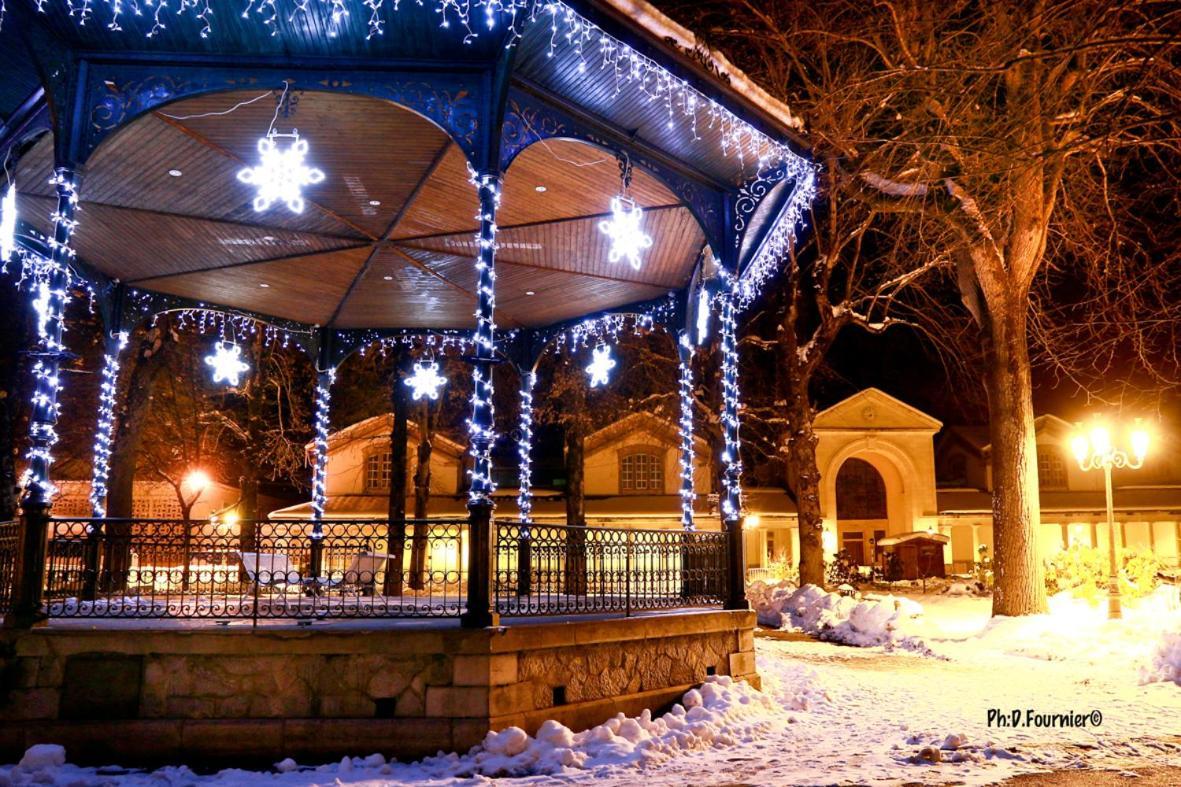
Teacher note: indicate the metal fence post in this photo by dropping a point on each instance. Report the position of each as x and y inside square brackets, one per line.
[29, 584]
[627, 576]
[480, 568]
[94, 535]
[735, 565]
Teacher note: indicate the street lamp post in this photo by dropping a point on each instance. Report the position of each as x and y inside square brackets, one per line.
[1095, 451]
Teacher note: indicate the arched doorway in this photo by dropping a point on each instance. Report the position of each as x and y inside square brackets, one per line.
[862, 514]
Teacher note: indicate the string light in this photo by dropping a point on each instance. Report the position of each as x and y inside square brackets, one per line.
[685, 389]
[281, 174]
[704, 304]
[600, 366]
[49, 278]
[320, 444]
[227, 364]
[8, 224]
[426, 381]
[104, 432]
[731, 456]
[628, 240]
[777, 246]
[524, 451]
[481, 429]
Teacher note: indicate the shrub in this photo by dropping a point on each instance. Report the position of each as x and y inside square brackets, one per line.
[1084, 571]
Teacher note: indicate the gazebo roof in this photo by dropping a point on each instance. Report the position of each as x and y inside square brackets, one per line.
[387, 240]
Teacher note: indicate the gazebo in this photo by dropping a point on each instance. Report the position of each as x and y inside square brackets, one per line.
[500, 176]
[506, 176]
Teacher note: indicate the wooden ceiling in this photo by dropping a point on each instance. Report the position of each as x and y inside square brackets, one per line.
[386, 240]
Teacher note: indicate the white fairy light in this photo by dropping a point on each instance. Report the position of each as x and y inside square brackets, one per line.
[8, 224]
[703, 308]
[426, 381]
[685, 391]
[227, 363]
[104, 433]
[281, 174]
[731, 454]
[320, 442]
[600, 366]
[628, 240]
[525, 451]
[481, 425]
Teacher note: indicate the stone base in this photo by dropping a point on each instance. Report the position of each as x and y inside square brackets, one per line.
[216, 696]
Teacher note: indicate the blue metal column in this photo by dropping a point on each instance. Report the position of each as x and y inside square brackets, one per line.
[325, 376]
[481, 427]
[51, 283]
[685, 389]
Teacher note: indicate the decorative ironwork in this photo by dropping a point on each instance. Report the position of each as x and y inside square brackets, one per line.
[121, 94]
[136, 568]
[555, 569]
[9, 546]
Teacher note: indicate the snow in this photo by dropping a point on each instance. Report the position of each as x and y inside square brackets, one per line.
[835, 617]
[828, 714]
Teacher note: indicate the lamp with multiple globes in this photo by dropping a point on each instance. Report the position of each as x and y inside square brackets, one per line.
[1094, 450]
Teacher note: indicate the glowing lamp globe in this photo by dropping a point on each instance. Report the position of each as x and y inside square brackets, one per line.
[1140, 441]
[1079, 447]
[197, 481]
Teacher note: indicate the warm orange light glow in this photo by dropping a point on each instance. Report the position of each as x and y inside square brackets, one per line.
[1140, 441]
[1079, 447]
[197, 481]
[752, 521]
[1100, 439]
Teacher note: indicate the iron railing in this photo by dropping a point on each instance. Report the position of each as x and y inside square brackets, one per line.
[139, 568]
[153, 568]
[9, 545]
[555, 569]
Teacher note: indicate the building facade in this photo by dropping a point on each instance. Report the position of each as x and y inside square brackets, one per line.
[888, 470]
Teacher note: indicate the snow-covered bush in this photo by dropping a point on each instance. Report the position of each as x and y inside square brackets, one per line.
[1166, 660]
[889, 620]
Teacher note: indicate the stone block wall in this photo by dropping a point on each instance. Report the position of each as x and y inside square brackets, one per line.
[226, 695]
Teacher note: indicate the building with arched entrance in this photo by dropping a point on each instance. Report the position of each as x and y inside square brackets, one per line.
[888, 470]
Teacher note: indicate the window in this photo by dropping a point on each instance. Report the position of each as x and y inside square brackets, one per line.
[861, 493]
[1051, 470]
[377, 472]
[641, 473]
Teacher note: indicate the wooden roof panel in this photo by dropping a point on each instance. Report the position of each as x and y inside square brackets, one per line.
[579, 246]
[559, 295]
[132, 245]
[399, 291]
[306, 289]
[446, 203]
[369, 150]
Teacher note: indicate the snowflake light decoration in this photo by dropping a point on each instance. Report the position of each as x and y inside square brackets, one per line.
[8, 224]
[426, 380]
[600, 366]
[627, 239]
[281, 174]
[227, 363]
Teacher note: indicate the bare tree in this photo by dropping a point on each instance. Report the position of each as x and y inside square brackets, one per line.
[969, 118]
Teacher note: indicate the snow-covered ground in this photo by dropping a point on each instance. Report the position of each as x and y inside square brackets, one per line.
[911, 707]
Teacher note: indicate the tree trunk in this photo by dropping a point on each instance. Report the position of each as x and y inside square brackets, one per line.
[575, 570]
[805, 482]
[130, 416]
[1020, 587]
[253, 448]
[399, 436]
[422, 491]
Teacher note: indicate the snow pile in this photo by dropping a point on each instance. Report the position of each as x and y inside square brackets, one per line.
[890, 620]
[43, 757]
[767, 600]
[721, 713]
[1165, 664]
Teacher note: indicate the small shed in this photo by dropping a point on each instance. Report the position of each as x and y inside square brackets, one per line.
[920, 554]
